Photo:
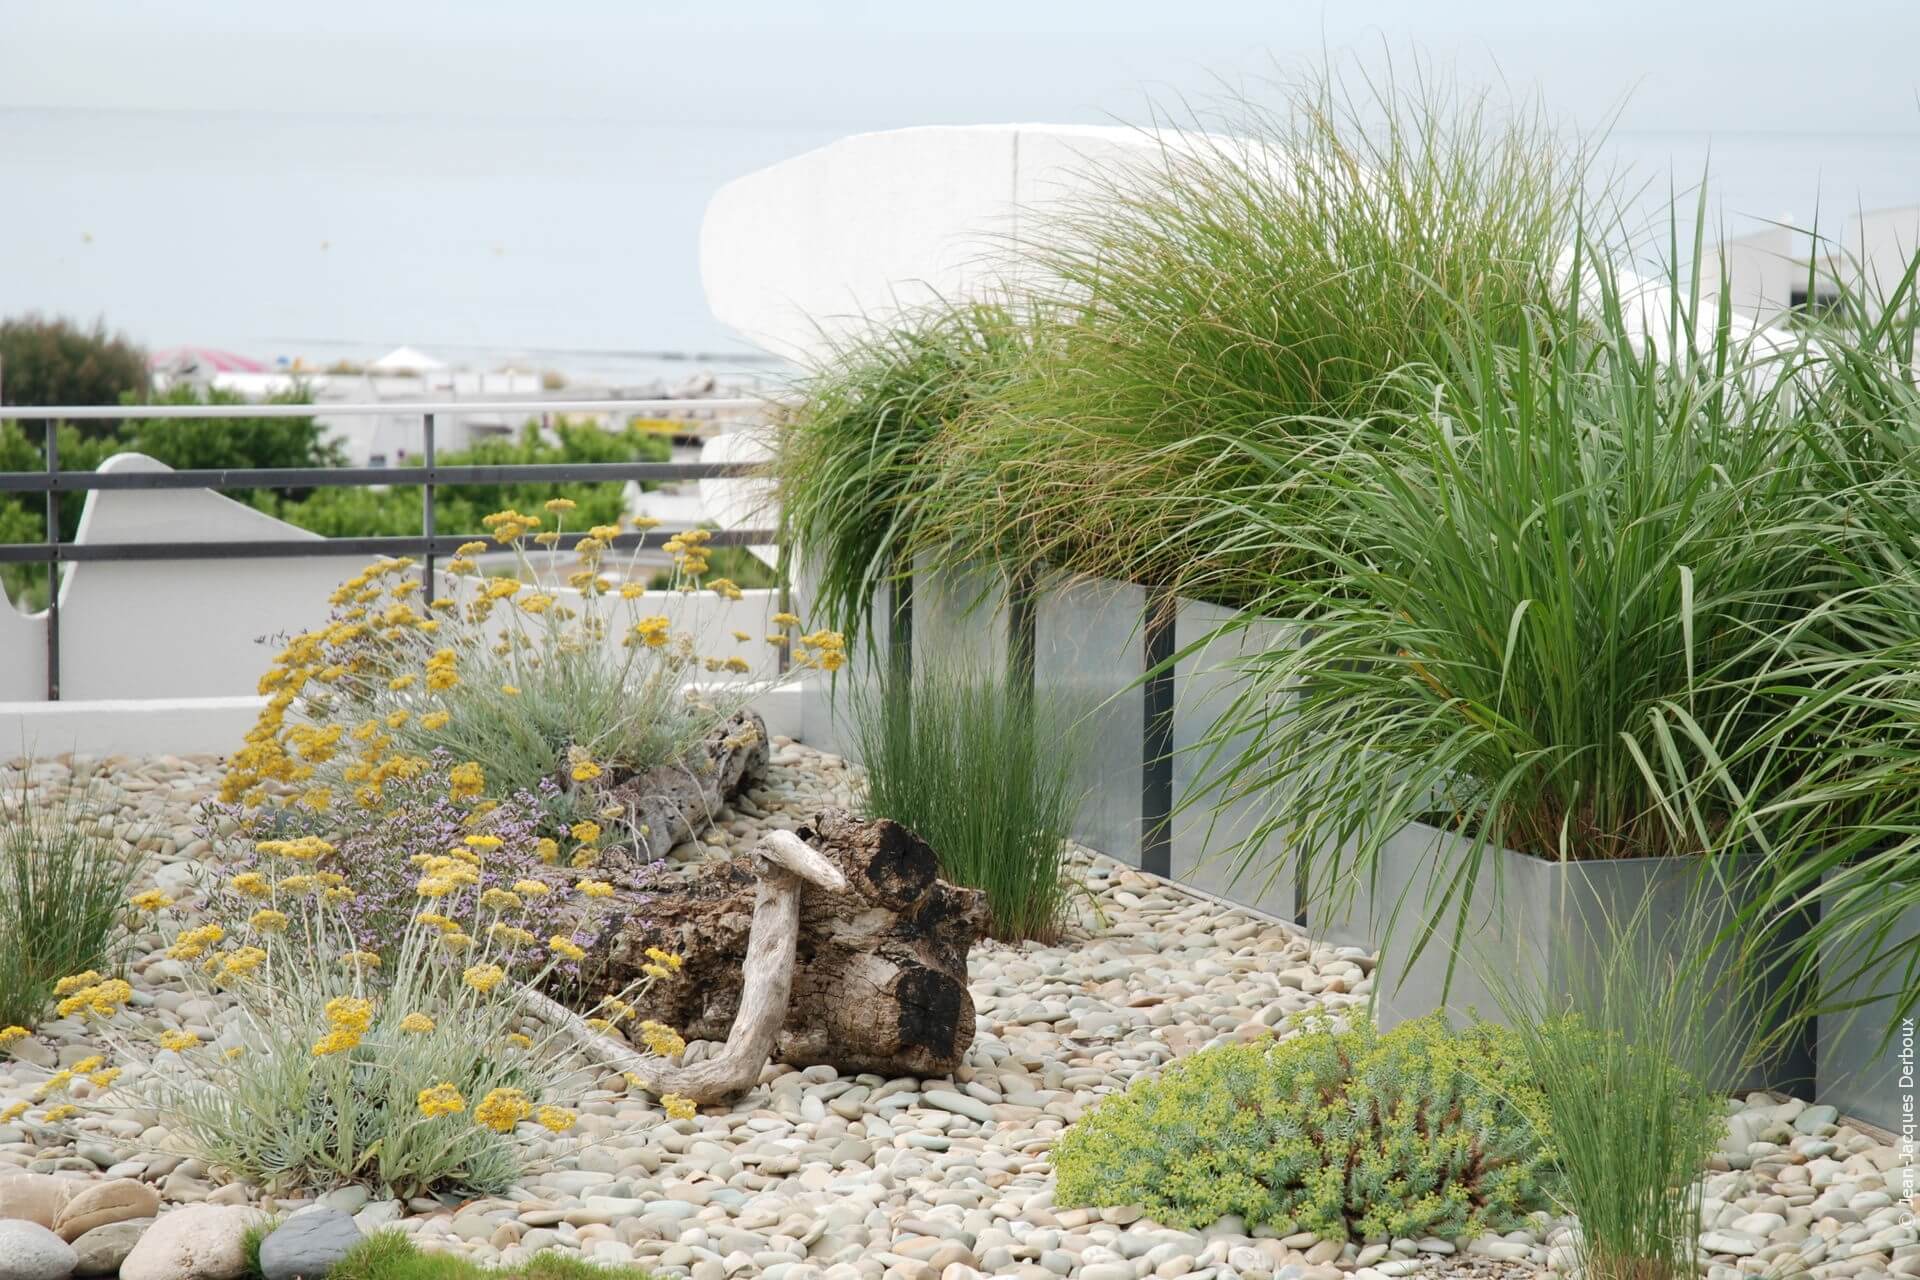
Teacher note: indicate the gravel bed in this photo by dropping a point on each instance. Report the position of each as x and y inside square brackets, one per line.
[814, 1176]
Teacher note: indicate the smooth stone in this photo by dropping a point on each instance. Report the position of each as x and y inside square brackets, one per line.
[308, 1245]
[103, 1249]
[195, 1242]
[36, 1197]
[1733, 1242]
[103, 1203]
[29, 1251]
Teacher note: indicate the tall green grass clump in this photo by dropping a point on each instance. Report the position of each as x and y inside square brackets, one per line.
[1568, 610]
[1621, 1058]
[1231, 307]
[985, 771]
[64, 881]
[856, 461]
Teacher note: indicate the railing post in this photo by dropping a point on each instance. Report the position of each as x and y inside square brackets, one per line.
[426, 508]
[53, 562]
[1020, 630]
[1156, 745]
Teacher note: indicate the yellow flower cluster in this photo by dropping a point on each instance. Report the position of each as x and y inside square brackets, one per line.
[661, 1039]
[150, 901]
[483, 977]
[91, 995]
[10, 1036]
[441, 1100]
[348, 1018]
[661, 964]
[178, 1041]
[677, 1107]
[193, 944]
[502, 1109]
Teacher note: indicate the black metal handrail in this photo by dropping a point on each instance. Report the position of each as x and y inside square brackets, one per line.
[429, 544]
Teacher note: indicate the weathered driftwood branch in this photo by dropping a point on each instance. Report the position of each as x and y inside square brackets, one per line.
[842, 936]
[767, 985]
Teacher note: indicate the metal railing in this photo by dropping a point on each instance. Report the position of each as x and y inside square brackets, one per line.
[1157, 650]
[429, 544]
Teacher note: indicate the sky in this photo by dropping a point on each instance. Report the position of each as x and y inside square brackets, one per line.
[435, 100]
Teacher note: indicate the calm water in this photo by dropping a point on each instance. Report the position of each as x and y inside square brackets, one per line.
[571, 244]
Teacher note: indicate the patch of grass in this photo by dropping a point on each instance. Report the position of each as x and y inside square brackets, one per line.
[1621, 1060]
[985, 772]
[64, 882]
[390, 1255]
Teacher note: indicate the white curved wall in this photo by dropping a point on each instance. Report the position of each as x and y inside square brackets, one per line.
[182, 628]
[806, 249]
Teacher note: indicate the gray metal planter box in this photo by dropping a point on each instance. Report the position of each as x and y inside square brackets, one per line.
[1863, 1070]
[1535, 919]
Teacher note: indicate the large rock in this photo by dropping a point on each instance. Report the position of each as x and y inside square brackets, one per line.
[196, 1242]
[101, 1204]
[36, 1197]
[307, 1245]
[103, 1249]
[29, 1251]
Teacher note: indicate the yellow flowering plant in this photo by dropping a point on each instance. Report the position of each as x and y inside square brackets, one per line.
[564, 672]
[411, 1070]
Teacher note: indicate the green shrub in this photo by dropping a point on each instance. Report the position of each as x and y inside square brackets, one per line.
[459, 509]
[986, 773]
[58, 362]
[1621, 1059]
[63, 895]
[1358, 1135]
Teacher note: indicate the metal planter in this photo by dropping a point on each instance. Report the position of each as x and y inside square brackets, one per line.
[1530, 918]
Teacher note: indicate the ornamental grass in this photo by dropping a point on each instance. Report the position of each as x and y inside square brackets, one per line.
[64, 877]
[1206, 327]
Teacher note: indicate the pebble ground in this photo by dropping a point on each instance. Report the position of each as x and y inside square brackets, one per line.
[815, 1176]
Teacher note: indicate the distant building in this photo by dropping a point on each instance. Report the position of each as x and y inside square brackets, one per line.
[1781, 270]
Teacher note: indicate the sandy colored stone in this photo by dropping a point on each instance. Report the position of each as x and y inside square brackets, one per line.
[103, 1249]
[35, 1197]
[195, 1242]
[101, 1204]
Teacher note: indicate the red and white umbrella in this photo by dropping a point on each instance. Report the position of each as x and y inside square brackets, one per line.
[181, 359]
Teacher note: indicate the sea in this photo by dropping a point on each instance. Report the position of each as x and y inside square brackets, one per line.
[546, 243]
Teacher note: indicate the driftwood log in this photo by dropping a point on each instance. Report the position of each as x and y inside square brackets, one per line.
[837, 944]
[674, 802]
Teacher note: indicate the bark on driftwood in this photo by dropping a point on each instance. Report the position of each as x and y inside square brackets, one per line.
[879, 971]
[675, 802]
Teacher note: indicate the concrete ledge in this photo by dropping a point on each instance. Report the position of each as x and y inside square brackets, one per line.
[128, 726]
[212, 726]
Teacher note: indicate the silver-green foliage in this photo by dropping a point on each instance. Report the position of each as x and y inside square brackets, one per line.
[1355, 1134]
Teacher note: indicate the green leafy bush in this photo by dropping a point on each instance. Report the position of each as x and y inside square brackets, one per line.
[63, 896]
[985, 772]
[1359, 1134]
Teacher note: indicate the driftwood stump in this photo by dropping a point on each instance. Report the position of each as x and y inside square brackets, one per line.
[875, 952]
[674, 802]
